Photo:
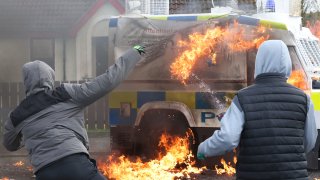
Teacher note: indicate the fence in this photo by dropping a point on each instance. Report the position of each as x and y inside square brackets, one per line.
[96, 115]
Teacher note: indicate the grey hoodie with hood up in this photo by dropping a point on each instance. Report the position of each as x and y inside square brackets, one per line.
[272, 57]
[50, 122]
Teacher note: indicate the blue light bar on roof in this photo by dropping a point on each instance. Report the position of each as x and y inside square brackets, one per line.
[270, 6]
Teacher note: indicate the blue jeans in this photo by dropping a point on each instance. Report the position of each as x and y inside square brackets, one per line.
[73, 167]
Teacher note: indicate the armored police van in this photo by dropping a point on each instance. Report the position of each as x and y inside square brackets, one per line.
[152, 100]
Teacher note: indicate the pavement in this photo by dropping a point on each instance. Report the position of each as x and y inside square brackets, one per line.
[16, 165]
[13, 169]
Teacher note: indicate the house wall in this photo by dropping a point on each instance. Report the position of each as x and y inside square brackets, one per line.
[79, 60]
[96, 26]
[13, 54]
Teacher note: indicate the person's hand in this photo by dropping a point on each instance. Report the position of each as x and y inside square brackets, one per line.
[200, 156]
[140, 49]
[149, 52]
[153, 50]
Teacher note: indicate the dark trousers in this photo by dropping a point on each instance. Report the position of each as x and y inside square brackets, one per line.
[73, 167]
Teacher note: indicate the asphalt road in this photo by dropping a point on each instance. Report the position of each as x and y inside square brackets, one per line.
[100, 148]
[7, 169]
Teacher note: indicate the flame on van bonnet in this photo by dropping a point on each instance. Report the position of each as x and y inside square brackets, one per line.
[199, 46]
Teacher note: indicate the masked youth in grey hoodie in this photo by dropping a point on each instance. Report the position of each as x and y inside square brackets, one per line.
[272, 60]
[49, 122]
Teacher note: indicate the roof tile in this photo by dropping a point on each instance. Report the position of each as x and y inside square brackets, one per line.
[54, 16]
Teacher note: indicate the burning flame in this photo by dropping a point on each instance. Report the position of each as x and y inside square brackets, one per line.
[29, 168]
[176, 162]
[297, 79]
[199, 46]
[214, 58]
[227, 167]
[18, 164]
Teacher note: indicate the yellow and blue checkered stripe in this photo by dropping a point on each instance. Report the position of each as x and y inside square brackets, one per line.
[315, 97]
[261, 22]
[202, 17]
[194, 100]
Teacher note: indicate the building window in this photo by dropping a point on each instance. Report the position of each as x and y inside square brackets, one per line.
[100, 46]
[189, 6]
[295, 7]
[248, 6]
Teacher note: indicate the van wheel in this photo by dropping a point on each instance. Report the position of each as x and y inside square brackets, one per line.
[153, 124]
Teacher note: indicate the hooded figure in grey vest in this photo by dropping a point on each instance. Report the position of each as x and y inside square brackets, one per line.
[49, 122]
[273, 121]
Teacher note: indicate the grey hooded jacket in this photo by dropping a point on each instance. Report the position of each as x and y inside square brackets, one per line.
[50, 122]
[272, 57]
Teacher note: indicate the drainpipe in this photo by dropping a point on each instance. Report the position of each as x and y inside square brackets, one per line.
[64, 59]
